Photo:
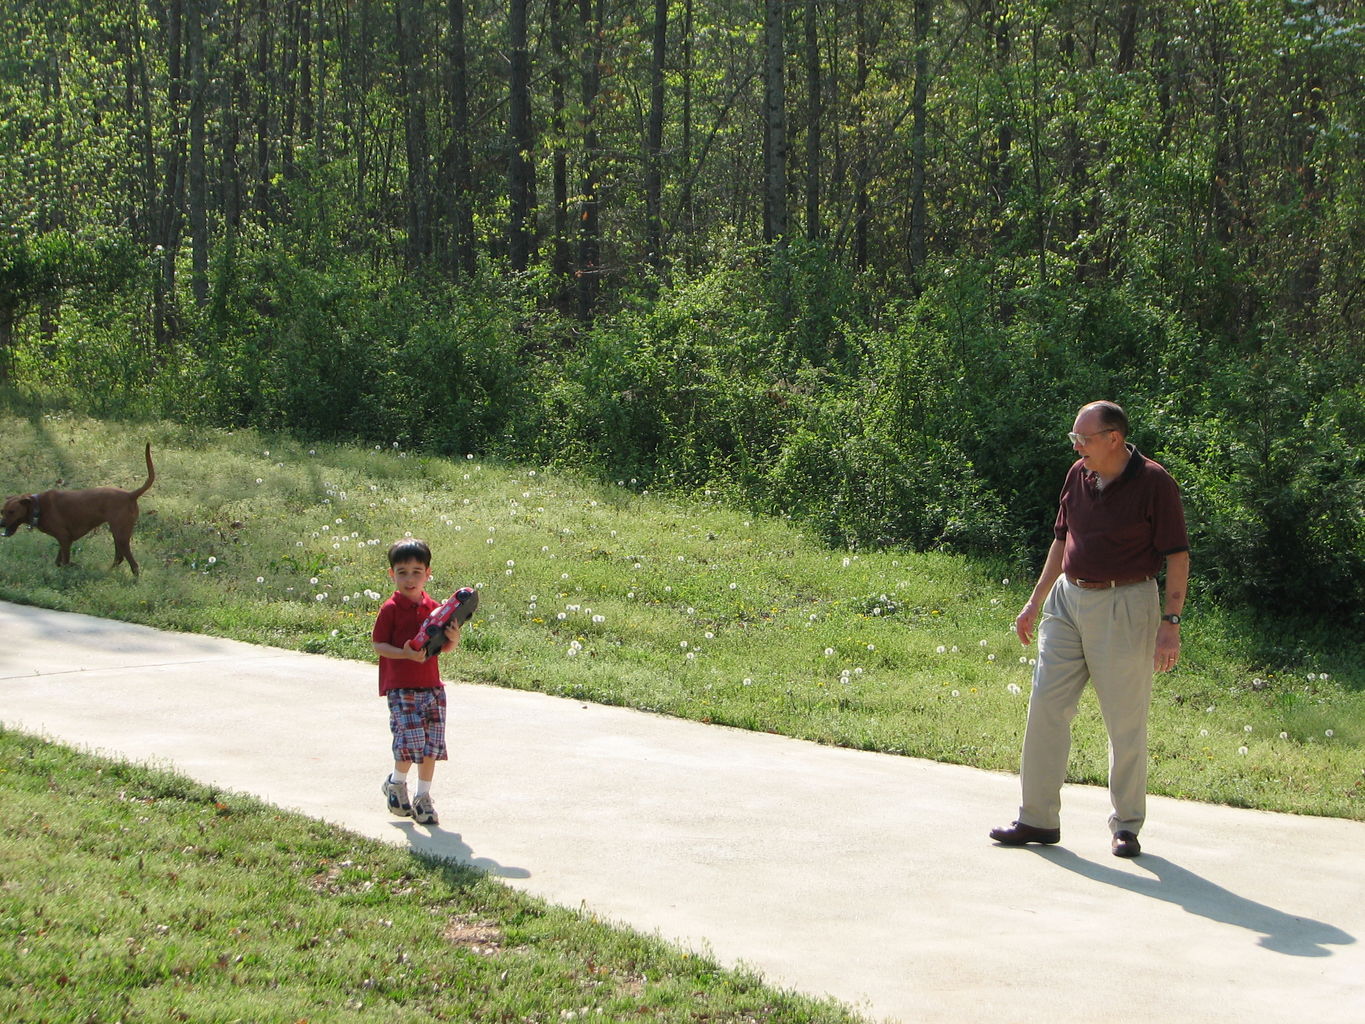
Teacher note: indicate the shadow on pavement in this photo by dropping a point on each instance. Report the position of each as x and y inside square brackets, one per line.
[437, 842]
[1280, 932]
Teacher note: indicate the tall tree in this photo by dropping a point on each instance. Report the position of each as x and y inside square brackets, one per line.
[919, 243]
[654, 140]
[589, 229]
[520, 168]
[457, 170]
[411, 32]
[198, 174]
[814, 117]
[561, 258]
[170, 204]
[774, 122]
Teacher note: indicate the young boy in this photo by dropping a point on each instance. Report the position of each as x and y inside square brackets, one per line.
[411, 681]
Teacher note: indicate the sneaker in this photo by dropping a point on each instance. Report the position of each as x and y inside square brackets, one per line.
[396, 793]
[423, 811]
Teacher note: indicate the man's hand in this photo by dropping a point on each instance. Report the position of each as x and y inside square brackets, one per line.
[1167, 647]
[1023, 623]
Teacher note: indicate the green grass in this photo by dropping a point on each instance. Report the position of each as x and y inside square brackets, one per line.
[686, 607]
[131, 894]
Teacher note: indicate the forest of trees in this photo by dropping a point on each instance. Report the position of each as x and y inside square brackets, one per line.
[857, 261]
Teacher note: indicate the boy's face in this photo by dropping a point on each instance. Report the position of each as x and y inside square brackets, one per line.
[410, 577]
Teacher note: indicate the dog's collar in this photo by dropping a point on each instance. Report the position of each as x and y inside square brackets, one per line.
[33, 519]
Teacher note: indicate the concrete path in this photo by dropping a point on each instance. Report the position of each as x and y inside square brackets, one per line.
[865, 877]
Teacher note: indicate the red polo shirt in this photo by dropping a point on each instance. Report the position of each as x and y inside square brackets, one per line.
[398, 621]
[1122, 531]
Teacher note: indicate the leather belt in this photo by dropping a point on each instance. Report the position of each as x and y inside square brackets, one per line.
[1105, 584]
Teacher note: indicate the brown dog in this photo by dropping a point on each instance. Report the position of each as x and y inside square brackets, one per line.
[70, 515]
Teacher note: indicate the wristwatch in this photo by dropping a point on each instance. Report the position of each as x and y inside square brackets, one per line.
[1174, 620]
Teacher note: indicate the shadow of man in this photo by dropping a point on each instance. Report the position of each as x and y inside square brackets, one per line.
[434, 841]
[1280, 932]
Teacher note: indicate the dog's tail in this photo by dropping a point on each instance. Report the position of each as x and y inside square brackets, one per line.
[151, 474]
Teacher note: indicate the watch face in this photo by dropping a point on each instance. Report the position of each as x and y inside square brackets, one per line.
[1173, 619]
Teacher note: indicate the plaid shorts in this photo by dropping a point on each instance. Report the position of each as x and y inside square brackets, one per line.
[418, 721]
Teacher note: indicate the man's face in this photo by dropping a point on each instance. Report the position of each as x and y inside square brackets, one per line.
[410, 577]
[1094, 443]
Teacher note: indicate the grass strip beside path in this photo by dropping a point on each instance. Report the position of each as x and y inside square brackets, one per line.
[134, 894]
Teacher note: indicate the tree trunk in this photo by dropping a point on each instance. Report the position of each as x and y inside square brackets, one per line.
[198, 177]
[459, 183]
[814, 116]
[169, 214]
[685, 212]
[262, 76]
[775, 124]
[561, 259]
[861, 167]
[520, 171]
[654, 141]
[918, 128]
[417, 192]
[589, 233]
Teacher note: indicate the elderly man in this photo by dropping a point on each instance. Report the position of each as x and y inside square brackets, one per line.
[1119, 519]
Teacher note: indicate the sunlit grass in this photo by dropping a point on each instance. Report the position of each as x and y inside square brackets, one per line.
[687, 607]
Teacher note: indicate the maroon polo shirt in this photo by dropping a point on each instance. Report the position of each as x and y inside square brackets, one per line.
[398, 621]
[1122, 531]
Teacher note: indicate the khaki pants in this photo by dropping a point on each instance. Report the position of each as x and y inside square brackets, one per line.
[1107, 637]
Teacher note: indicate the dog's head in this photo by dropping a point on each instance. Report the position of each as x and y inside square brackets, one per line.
[16, 513]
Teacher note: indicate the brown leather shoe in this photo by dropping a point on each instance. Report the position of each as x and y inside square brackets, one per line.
[1126, 844]
[1017, 834]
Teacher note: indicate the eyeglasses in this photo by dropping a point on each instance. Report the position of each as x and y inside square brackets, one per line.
[1085, 438]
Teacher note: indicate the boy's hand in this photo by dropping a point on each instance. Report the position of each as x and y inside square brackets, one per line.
[452, 636]
[416, 654]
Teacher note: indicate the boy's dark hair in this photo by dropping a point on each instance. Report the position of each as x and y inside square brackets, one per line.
[408, 549]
